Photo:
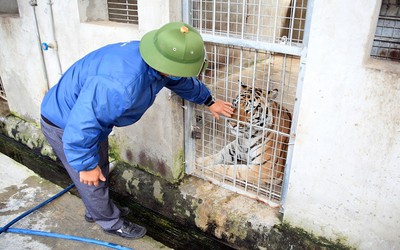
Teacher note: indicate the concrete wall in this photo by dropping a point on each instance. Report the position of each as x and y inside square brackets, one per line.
[79, 28]
[345, 175]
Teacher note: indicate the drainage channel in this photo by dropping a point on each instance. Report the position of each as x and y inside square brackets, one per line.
[160, 228]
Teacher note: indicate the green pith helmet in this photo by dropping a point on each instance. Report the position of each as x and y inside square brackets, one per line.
[176, 49]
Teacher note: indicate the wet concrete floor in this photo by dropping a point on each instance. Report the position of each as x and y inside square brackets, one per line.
[21, 189]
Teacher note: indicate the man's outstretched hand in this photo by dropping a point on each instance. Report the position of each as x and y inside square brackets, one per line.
[221, 108]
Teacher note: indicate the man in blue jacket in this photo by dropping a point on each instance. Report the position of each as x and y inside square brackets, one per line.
[114, 86]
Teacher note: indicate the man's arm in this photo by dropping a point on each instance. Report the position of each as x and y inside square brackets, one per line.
[196, 91]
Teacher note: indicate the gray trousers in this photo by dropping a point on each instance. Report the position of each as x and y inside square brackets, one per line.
[96, 199]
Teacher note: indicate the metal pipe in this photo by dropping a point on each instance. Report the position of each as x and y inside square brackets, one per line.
[33, 3]
[53, 36]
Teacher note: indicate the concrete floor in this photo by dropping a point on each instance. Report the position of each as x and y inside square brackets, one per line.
[21, 189]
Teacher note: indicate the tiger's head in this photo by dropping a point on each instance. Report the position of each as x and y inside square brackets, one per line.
[251, 108]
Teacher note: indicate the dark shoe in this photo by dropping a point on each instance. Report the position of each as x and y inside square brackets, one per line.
[124, 212]
[129, 230]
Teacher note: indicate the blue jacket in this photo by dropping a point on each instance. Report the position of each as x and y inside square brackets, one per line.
[109, 87]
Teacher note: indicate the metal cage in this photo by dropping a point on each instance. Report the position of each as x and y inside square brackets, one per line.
[253, 47]
[386, 43]
[2, 91]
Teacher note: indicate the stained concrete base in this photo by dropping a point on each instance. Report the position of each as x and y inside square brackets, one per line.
[231, 219]
[238, 221]
[21, 189]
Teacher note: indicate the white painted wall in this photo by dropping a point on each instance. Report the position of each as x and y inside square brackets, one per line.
[18, 45]
[79, 29]
[345, 178]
